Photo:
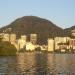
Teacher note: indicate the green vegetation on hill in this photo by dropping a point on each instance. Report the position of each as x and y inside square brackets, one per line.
[32, 24]
[7, 48]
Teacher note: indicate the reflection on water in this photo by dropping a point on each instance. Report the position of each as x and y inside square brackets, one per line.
[7, 65]
[26, 62]
[38, 64]
[62, 64]
[41, 64]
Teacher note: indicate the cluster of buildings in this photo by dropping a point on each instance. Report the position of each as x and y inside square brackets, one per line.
[56, 44]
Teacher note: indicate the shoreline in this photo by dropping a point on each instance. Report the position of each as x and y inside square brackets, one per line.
[39, 52]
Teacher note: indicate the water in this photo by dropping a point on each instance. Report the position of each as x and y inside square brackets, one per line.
[38, 64]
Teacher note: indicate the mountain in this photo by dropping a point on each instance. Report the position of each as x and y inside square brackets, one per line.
[32, 24]
[68, 30]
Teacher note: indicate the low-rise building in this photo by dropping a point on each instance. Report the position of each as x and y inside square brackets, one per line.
[30, 46]
[61, 43]
[43, 47]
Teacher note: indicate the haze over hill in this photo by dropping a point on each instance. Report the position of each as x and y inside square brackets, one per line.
[32, 24]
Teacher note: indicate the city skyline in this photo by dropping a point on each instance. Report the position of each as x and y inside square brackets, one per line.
[55, 44]
[59, 12]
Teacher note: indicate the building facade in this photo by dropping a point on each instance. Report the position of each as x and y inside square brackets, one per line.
[33, 38]
[12, 38]
[6, 37]
[50, 45]
[22, 42]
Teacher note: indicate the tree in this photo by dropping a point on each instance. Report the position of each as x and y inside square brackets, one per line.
[7, 48]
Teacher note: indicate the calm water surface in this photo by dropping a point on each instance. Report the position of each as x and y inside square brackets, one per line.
[38, 64]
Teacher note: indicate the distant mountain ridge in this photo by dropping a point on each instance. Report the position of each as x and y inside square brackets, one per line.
[68, 30]
[32, 24]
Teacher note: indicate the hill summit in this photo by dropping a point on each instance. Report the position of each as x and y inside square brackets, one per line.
[32, 24]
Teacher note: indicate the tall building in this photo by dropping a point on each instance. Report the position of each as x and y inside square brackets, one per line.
[6, 37]
[72, 44]
[1, 36]
[33, 38]
[73, 32]
[24, 37]
[22, 42]
[12, 38]
[50, 45]
[57, 40]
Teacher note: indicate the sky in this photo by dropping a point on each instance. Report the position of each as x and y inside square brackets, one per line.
[60, 12]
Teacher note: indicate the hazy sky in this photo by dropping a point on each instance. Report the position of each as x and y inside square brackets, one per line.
[60, 12]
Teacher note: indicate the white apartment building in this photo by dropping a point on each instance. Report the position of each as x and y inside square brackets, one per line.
[33, 38]
[72, 44]
[12, 38]
[60, 40]
[50, 45]
[6, 37]
[73, 32]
